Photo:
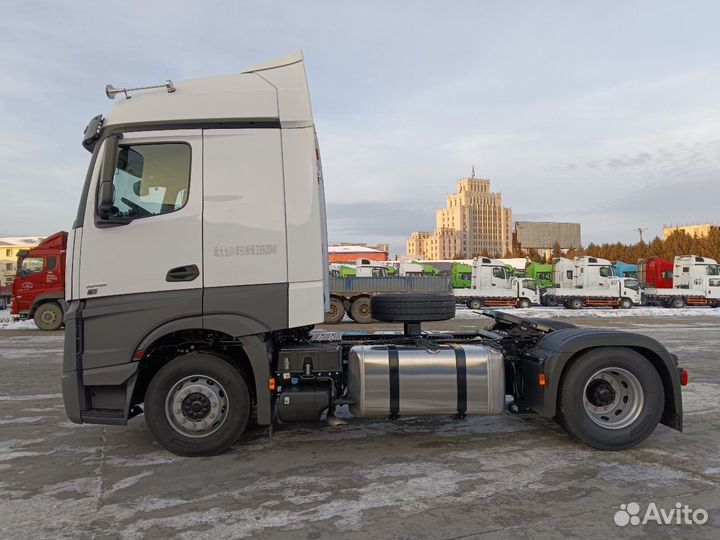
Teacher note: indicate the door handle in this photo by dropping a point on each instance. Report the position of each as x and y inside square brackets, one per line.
[183, 273]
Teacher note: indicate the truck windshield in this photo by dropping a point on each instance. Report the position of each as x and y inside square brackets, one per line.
[713, 270]
[606, 271]
[632, 284]
[546, 276]
[30, 265]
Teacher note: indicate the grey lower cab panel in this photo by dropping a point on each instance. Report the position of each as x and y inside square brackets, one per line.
[250, 309]
[426, 381]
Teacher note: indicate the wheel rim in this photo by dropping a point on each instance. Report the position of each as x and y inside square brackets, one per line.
[613, 398]
[196, 406]
[334, 311]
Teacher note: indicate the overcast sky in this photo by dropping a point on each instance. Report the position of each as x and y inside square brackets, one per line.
[606, 113]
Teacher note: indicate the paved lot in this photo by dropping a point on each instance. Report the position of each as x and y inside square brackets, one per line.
[495, 477]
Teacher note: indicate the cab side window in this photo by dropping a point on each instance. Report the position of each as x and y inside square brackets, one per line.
[151, 179]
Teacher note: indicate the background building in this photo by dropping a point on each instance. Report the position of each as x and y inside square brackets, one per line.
[349, 253]
[9, 248]
[693, 230]
[474, 222]
[541, 236]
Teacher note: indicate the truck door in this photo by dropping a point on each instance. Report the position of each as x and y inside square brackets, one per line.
[150, 245]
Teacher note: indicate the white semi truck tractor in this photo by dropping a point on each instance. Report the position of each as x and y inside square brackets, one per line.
[696, 282]
[213, 190]
[590, 282]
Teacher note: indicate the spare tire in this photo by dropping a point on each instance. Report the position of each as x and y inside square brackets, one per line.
[413, 307]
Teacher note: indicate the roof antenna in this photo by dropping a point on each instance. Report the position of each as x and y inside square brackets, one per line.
[473, 171]
[111, 91]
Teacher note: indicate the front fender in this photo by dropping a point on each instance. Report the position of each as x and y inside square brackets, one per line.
[555, 352]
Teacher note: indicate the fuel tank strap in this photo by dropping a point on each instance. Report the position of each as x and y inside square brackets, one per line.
[394, 371]
[461, 366]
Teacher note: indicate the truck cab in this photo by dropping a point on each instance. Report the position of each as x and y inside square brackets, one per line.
[488, 272]
[38, 288]
[698, 274]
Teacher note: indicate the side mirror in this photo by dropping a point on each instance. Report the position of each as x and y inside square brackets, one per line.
[106, 190]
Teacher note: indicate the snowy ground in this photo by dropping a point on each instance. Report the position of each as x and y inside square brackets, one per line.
[7, 322]
[426, 478]
[543, 312]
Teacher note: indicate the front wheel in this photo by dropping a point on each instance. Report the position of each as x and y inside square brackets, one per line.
[48, 316]
[336, 313]
[626, 303]
[524, 303]
[611, 398]
[197, 405]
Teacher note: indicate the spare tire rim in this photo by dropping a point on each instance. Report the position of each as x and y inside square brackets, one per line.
[613, 398]
[196, 406]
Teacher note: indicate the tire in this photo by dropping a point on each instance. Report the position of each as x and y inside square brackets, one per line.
[575, 303]
[48, 316]
[626, 303]
[474, 303]
[582, 405]
[413, 307]
[677, 302]
[208, 373]
[360, 310]
[524, 303]
[336, 313]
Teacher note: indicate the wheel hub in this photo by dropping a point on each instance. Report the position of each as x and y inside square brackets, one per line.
[600, 393]
[613, 398]
[47, 316]
[196, 406]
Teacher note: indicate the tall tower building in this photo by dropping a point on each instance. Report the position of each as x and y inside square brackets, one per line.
[473, 222]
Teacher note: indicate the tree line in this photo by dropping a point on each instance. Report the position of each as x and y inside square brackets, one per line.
[677, 243]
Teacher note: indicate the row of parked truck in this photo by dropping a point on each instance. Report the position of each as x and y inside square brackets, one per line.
[38, 290]
[689, 280]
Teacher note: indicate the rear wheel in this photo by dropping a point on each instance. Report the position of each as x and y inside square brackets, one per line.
[626, 303]
[336, 313]
[475, 303]
[677, 302]
[610, 398]
[197, 405]
[575, 303]
[524, 303]
[360, 310]
[48, 316]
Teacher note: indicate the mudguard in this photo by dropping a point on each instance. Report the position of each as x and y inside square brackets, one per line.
[553, 353]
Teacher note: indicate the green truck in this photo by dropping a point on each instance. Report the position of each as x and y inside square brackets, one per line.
[542, 274]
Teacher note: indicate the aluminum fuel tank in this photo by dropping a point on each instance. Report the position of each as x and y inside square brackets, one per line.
[386, 380]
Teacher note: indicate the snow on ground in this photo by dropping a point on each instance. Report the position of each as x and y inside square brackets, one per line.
[543, 312]
[7, 322]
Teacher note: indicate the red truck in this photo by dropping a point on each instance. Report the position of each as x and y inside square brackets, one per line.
[655, 272]
[38, 290]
